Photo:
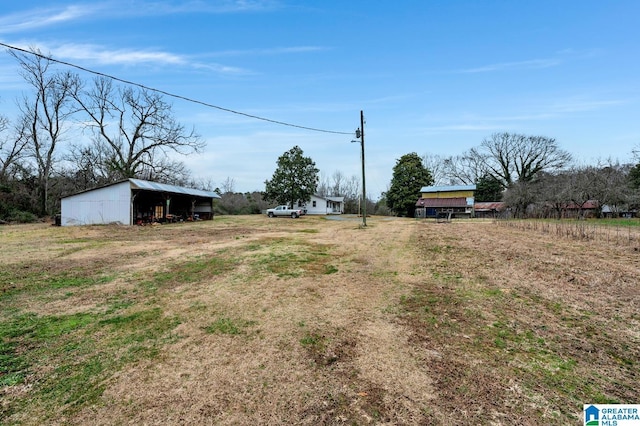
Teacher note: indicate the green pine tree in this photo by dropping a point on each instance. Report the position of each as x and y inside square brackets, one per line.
[409, 176]
[296, 178]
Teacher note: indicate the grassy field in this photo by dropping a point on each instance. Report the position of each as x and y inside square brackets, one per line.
[249, 320]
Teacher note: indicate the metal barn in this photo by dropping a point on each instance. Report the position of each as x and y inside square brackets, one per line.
[135, 201]
[455, 201]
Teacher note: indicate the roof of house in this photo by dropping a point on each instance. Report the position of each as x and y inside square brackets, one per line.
[335, 199]
[450, 188]
[442, 202]
[589, 204]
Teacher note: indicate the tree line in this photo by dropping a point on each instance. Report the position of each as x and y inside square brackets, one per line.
[534, 177]
[126, 132]
[132, 132]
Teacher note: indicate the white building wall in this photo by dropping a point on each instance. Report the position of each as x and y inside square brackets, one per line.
[323, 206]
[111, 204]
[320, 207]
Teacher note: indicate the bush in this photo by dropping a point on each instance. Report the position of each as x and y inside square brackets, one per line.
[20, 216]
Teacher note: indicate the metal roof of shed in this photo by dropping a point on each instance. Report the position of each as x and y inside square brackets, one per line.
[449, 188]
[156, 187]
[163, 187]
[489, 206]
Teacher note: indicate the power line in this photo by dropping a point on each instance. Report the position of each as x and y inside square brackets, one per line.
[173, 95]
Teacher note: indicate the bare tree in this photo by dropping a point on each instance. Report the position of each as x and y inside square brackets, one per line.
[520, 196]
[206, 184]
[555, 193]
[512, 157]
[165, 169]
[44, 118]
[335, 186]
[338, 184]
[11, 147]
[610, 185]
[581, 187]
[323, 186]
[84, 167]
[231, 202]
[437, 166]
[137, 130]
[464, 169]
[228, 185]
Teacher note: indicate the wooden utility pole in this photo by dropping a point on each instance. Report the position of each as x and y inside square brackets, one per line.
[364, 186]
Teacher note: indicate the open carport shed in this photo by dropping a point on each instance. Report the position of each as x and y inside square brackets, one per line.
[136, 201]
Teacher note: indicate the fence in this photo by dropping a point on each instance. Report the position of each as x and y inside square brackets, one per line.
[579, 230]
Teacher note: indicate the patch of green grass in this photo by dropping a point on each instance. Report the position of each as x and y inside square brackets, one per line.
[291, 258]
[116, 304]
[195, 270]
[77, 384]
[80, 351]
[621, 222]
[41, 328]
[29, 281]
[75, 240]
[492, 292]
[202, 268]
[66, 280]
[228, 326]
[13, 367]
[543, 363]
[283, 264]
[314, 341]
[33, 331]
[330, 269]
[446, 277]
[438, 249]
[308, 231]
[139, 327]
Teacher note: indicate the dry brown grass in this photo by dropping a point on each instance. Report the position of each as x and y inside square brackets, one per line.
[315, 321]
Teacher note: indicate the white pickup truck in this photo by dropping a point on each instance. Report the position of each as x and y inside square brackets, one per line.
[284, 211]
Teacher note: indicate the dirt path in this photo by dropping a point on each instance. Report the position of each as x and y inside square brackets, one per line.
[320, 348]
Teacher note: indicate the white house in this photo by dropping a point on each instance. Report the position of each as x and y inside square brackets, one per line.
[325, 205]
[135, 201]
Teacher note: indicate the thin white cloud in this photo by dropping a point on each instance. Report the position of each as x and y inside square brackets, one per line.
[463, 127]
[52, 15]
[584, 105]
[38, 18]
[221, 6]
[96, 54]
[550, 111]
[269, 51]
[505, 66]
[221, 69]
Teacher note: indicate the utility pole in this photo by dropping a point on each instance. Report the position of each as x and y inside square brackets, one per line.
[360, 135]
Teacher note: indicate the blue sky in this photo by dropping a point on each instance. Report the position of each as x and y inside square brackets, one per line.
[432, 76]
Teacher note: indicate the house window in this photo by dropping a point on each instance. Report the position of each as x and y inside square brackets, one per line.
[314, 203]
